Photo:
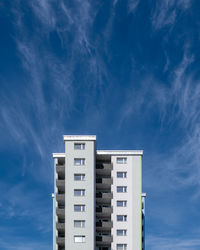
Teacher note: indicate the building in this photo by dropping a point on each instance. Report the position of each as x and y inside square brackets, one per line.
[98, 197]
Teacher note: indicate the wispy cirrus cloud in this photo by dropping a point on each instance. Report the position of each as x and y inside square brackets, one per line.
[185, 4]
[18, 243]
[165, 12]
[167, 243]
[20, 203]
[64, 18]
[45, 14]
[132, 5]
[30, 117]
[177, 103]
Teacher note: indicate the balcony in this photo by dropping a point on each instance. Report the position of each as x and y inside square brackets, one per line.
[107, 181]
[60, 226]
[60, 183]
[60, 240]
[102, 240]
[61, 247]
[103, 211]
[104, 197]
[104, 168]
[60, 172]
[60, 197]
[104, 182]
[60, 212]
[104, 225]
[60, 169]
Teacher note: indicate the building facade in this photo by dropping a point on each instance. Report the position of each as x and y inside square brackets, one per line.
[98, 197]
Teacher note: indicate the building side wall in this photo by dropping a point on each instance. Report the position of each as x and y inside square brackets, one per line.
[54, 206]
[88, 200]
[133, 198]
[136, 202]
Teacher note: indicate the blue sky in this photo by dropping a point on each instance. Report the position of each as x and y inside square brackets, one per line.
[125, 70]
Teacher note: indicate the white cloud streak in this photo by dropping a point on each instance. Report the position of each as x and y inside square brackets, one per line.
[165, 12]
[44, 12]
[30, 118]
[22, 204]
[179, 166]
[18, 243]
[132, 5]
[168, 243]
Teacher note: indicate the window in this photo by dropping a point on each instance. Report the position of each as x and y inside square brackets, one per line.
[79, 161]
[121, 232]
[79, 146]
[79, 192]
[121, 160]
[79, 177]
[79, 223]
[121, 189]
[79, 208]
[79, 238]
[121, 246]
[121, 174]
[121, 203]
[121, 217]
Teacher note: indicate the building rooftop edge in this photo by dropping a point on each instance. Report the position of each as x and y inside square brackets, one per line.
[120, 152]
[58, 155]
[108, 152]
[79, 137]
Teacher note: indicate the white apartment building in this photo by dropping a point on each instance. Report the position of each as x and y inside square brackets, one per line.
[98, 197]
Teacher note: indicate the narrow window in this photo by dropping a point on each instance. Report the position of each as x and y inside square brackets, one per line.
[79, 192]
[121, 232]
[121, 189]
[121, 203]
[79, 238]
[121, 246]
[79, 223]
[79, 161]
[79, 146]
[79, 208]
[121, 160]
[79, 177]
[121, 217]
[121, 174]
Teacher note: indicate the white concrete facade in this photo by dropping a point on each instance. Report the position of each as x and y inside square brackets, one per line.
[102, 197]
[132, 182]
